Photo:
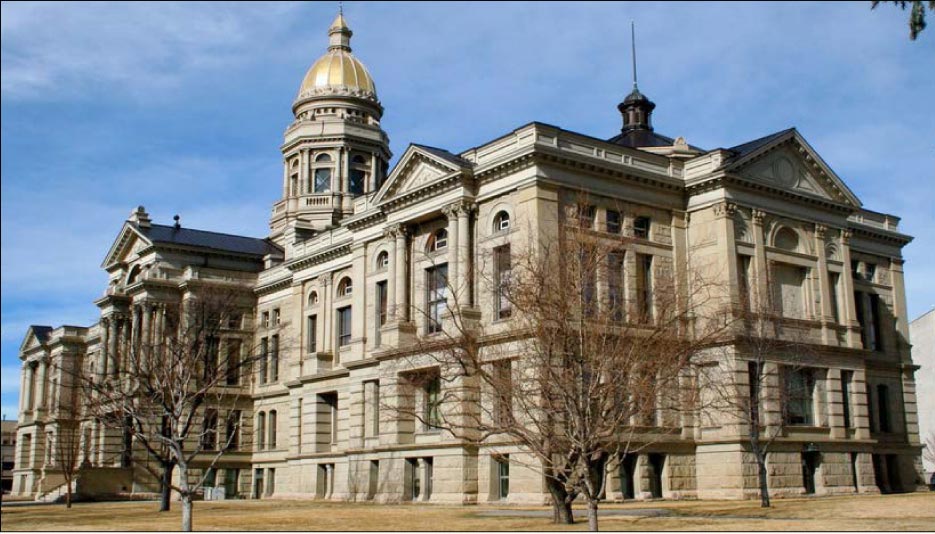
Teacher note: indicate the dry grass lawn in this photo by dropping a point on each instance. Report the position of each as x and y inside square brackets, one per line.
[867, 512]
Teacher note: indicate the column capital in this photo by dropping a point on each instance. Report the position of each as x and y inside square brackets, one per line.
[395, 231]
[820, 231]
[846, 235]
[758, 217]
[725, 209]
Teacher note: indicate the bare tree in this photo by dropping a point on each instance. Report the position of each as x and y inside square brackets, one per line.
[928, 452]
[171, 394]
[66, 453]
[588, 359]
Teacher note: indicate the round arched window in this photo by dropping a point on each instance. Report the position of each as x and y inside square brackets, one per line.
[313, 298]
[345, 287]
[322, 173]
[383, 260]
[787, 239]
[438, 240]
[501, 222]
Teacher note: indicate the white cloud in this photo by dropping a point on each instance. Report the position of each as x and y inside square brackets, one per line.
[136, 47]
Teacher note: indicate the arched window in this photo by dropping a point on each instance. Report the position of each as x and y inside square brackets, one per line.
[357, 181]
[260, 431]
[383, 260]
[345, 287]
[438, 240]
[787, 239]
[501, 222]
[272, 429]
[313, 298]
[134, 275]
[323, 173]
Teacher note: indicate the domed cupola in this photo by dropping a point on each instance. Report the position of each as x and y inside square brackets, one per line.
[338, 72]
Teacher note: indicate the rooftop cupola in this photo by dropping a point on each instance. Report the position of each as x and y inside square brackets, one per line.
[637, 110]
[339, 34]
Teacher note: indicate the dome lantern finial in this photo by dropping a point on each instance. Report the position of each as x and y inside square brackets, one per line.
[636, 109]
[339, 34]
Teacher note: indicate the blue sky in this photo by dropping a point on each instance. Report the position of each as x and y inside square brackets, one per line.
[181, 108]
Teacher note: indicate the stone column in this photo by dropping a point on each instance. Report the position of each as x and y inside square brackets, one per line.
[358, 302]
[112, 326]
[305, 175]
[42, 388]
[835, 404]
[345, 155]
[899, 308]
[464, 253]
[24, 388]
[30, 386]
[105, 345]
[454, 268]
[145, 339]
[390, 235]
[850, 312]
[824, 283]
[860, 414]
[724, 214]
[761, 280]
[327, 313]
[402, 266]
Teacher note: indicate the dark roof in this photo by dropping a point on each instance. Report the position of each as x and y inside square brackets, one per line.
[445, 155]
[750, 146]
[160, 233]
[642, 138]
[41, 332]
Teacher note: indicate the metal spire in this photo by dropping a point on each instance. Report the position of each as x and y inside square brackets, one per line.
[341, 8]
[633, 51]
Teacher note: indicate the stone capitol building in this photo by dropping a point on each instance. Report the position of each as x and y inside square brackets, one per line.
[354, 247]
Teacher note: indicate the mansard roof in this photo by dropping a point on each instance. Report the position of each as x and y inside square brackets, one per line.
[161, 233]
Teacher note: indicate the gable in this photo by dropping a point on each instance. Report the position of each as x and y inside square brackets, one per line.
[788, 162]
[129, 243]
[417, 169]
[34, 338]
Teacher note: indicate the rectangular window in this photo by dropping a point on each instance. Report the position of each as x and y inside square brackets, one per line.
[833, 280]
[846, 378]
[436, 280]
[588, 287]
[209, 434]
[430, 407]
[883, 403]
[274, 359]
[586, 216]
[754, 376]
[503, 476]
[613, 221]
[875, 335]
[615, 295]
[382, 302]
[211, 358]
[641, 226]
[233, 362]
[273, 429]
[374, 482]
[344, 326]
[312, 333]
[233, 430]
[266, 319]
[644, 287]
[743, 279]
[504, 270]
[270, 481]
[799, 389]
[502, 375]
[276, 317]
[264, 358]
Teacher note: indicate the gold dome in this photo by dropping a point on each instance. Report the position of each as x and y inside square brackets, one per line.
[338, 72]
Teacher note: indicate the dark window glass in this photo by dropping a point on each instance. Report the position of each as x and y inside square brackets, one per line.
[613, 221]
[344, 326]
[641, 227]
[436, 296]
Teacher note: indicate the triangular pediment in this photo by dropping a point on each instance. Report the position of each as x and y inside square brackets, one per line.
[417, 169]
[789, 162]
[129, 243]
[35, 338]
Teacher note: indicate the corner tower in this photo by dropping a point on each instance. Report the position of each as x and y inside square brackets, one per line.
[335, 151]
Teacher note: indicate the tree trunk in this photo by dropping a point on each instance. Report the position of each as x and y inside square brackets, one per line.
[186, 493]
[68, 493]
[166, 487]
[592, 515]
[764, 483]
[561, 505]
